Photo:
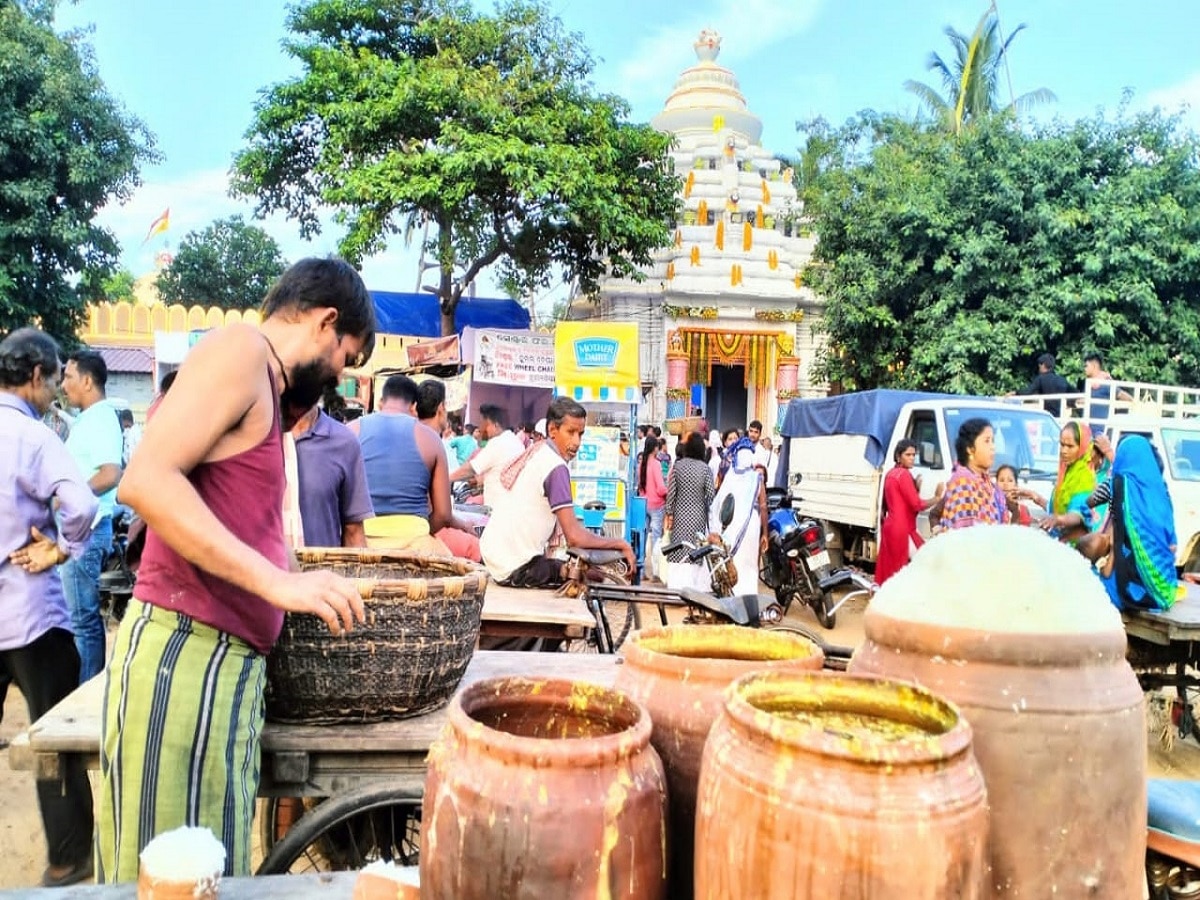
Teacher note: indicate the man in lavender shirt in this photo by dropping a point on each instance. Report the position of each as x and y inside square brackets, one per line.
[334, 500]
[37, 649]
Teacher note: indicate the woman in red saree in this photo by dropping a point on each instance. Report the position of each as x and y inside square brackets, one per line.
[901, 503]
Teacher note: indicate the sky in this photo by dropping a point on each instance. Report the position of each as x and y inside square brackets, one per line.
[192, 72]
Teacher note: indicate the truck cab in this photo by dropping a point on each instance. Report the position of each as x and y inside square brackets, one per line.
[842, 447]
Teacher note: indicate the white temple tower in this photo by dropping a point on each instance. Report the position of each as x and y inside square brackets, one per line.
[724, 315]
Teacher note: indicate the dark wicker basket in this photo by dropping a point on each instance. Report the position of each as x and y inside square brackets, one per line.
[422, 623]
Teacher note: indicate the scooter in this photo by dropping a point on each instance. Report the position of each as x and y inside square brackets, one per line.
[1173, 839]
[797, 563]
[117, 574]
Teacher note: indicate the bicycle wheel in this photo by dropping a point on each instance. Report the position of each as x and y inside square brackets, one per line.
[347, 831]
[623, 617]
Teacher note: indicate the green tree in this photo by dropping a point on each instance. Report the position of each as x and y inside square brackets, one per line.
[971, 82]
[483, 125]
[117, 287]
[950, 263]
[66, 149]
[228, 264]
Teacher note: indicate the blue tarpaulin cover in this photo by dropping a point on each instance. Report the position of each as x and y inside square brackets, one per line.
[869, 413]
[418, 315]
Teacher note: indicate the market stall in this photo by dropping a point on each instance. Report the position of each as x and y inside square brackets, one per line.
[596, 364]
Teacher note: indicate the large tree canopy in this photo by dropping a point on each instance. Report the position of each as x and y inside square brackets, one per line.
[949, 262]
[228, 264]
[66, 148]
[482, 125]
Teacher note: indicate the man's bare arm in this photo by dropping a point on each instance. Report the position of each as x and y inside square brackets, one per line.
[220, 405]
[441, 507]
[578, 536]
[105, 479]
[353, 534]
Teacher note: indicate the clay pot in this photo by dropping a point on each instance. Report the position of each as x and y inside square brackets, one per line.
[1060, 736]
[543, 788]
[680, 675]
[151, 888]
[375, 886]
[820, 785]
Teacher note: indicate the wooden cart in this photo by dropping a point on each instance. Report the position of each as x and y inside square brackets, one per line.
[1164, 650]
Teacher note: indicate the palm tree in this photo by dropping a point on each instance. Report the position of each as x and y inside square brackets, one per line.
[972, 80]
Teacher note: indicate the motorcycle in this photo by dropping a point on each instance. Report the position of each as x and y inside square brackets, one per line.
[117, 572]
[1173, 839]
[797, 563]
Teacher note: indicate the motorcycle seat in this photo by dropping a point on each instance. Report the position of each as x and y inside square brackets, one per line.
[595, 557]
[1174, 807]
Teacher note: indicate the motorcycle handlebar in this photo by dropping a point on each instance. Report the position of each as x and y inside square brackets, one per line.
[671, 548]
[697, 553]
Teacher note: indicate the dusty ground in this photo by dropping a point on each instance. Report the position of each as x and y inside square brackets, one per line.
[23, 849]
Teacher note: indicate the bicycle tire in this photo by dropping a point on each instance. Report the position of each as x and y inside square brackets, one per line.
[623, 619]
[325, 839]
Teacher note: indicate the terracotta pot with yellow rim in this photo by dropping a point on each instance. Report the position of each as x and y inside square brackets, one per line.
[817, 785]
[541, 788]
[680, 674]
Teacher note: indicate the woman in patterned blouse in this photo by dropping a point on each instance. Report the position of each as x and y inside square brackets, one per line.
[971, 497]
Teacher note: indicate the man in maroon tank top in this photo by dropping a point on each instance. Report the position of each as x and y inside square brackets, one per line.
[183, 707]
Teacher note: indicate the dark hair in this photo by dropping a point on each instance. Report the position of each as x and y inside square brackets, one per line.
[562, 407]
[315, 283]
[649, 448]
[1047, 360]
[901, 447]
[167, 380]
[755, 424]
[23, 351]
[726, 433]
[91, 364]
[495, 414]
[656, 431]
[1094, 355]
[431, 394]
[643, 430]
[125, 416]
[400, 387]
[1010, 468]
[694, 447]
[968, 434]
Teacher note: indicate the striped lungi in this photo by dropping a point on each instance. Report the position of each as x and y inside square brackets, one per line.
[183, 714]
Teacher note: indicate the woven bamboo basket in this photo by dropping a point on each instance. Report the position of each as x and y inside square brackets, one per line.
[422, 623]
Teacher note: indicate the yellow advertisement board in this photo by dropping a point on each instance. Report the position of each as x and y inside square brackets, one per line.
[597, 362]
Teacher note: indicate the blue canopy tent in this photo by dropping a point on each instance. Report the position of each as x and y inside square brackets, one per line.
[420, 316]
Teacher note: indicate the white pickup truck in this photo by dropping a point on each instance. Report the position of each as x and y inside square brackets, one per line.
[842, 446]
[1166, 415]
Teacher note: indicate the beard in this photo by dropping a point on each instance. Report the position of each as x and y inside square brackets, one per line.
[306, 383]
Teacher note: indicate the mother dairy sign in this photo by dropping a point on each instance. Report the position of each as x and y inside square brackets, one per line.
[514, 357]
[597, 361]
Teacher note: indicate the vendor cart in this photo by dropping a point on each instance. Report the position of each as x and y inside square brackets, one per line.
[1164, 651]
[359, 786]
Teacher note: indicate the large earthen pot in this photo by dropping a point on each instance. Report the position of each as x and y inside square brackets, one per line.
[820, 785]
[680, 674]
[541, 789]
[1015, 628]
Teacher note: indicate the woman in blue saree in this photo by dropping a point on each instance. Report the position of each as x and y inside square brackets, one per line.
[1140, 571]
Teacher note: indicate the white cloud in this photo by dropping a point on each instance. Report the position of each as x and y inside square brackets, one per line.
[1183, 96]
[746, 28]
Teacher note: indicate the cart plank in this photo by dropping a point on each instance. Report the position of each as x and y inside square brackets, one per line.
[504, 604]
[74, 726]
[1179, 623]
[328, 886]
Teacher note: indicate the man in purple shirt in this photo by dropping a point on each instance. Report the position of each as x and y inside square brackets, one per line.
[334, 500]
[37, 648]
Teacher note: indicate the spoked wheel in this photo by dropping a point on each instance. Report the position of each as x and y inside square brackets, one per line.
[623, 617]
[345, 832]
[823, 607]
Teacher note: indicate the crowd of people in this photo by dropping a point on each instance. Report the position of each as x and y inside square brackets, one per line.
[1112, 505]
[241, 461]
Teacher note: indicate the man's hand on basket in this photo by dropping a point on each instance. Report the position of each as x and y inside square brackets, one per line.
[331, 598]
